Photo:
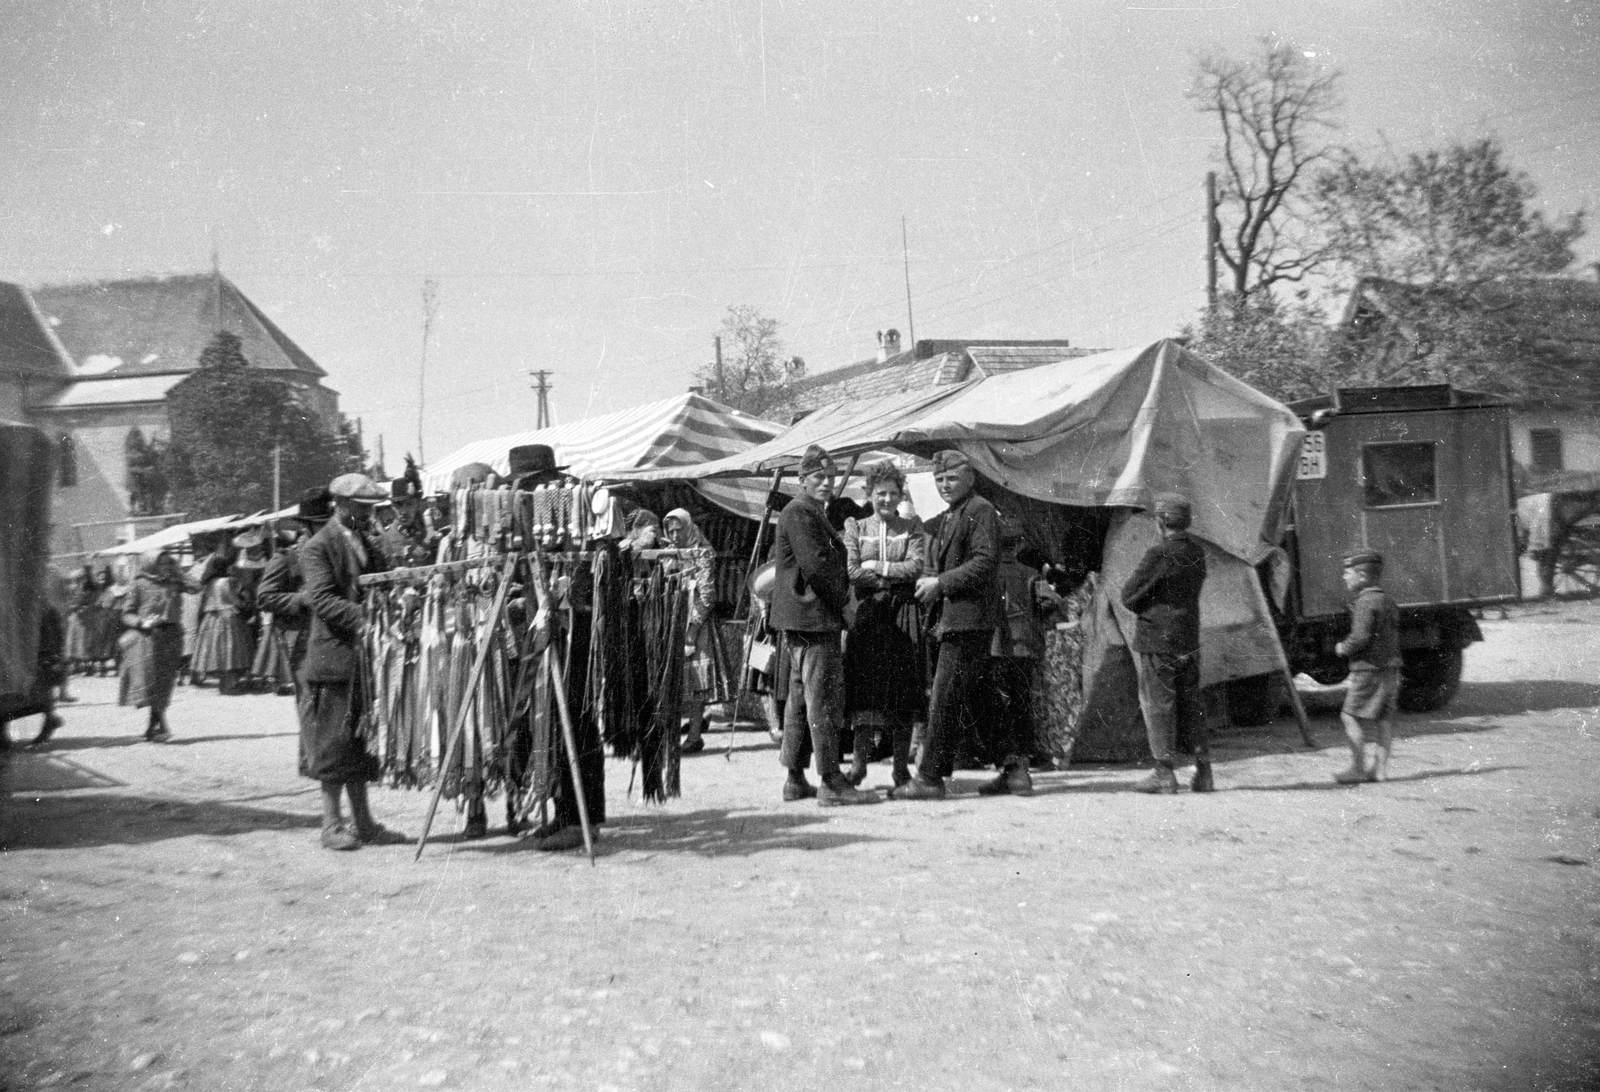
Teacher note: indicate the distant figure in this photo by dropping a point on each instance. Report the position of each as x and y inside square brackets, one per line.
[153, 644]
[1373, 648]
[698, 662]
[1164, 591]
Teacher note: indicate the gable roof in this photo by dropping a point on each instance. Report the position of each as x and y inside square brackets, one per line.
[26, 345]
[1558, 317]
[929, 363]
[161, 324]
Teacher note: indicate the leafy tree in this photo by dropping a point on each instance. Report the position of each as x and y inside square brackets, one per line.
[226, 419]
[1457, 217]
[1275, 347]
[754, 376]
[1275, 111]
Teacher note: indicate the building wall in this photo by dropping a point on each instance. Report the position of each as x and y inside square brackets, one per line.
[101, 493]
[1580, 435]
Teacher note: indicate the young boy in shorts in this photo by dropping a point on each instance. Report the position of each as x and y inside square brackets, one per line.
[1373, 649]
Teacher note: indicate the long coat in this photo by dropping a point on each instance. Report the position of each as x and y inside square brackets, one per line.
[331, 566]
[812, 585]
[281, 594]
[1164, 591]
[964, 554]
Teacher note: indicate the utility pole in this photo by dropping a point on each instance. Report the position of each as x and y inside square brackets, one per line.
[1211, 240]
[277, 476]
[541, 383]
[722, 387]
[905, 253]
[430, 308]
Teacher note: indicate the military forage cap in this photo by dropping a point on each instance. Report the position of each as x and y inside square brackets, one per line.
[1362, 557]
[357, 487]
[1172, 504]
[815, 460]
[949, 459]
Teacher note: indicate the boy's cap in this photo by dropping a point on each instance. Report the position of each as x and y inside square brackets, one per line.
[817, 460]
[1362, 557]
[949, 459]
[1172, 504]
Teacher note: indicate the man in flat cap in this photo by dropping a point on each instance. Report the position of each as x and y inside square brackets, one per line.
[1164, 591]
[964, 558]
[808, 604]
[331, 750]
[1373, 648]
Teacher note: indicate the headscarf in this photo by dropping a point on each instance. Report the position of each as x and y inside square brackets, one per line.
[695, 537]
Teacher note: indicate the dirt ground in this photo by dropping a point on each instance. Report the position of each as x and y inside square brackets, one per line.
[167, 919]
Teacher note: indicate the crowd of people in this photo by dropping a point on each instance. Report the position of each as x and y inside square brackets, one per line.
[922, 639]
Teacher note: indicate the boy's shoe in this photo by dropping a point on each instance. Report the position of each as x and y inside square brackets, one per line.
[1014, 781]
[1354, 775]
[918, 789]
[842, 794]
[339, 837]
[798, 789]
[1161, 782]
[1202, 778]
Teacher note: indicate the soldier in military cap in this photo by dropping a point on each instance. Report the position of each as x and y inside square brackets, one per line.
[1373, 648]
[1164, 591]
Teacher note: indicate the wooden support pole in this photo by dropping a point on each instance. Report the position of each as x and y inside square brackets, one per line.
[745, 590]
[468, 697]
[1283, 664]
[556, 673]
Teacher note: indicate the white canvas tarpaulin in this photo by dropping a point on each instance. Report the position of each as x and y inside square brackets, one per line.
[675, 434]
[1110, 429]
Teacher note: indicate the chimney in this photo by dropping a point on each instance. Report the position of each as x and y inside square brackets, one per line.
[888, 344]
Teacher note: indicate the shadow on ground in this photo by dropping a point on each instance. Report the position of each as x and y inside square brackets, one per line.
[710, 832]
[89, 819]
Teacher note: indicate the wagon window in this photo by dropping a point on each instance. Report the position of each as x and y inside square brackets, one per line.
[1395, 474]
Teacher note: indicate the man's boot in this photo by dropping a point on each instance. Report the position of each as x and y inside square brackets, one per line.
[796, 787]
[919, 788]
[477, 819]
[901, 740]
[1014, 779]
[841, 793]
[1162, 781]
[859, 753]
[1202, 777]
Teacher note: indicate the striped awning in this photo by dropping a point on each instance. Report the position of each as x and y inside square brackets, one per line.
[680, 432]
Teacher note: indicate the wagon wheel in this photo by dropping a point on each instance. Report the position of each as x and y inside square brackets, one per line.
[1578, 562]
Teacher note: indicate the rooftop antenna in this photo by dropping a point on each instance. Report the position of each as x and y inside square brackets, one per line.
[905, 253]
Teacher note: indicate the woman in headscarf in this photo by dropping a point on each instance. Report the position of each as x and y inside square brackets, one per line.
[884, 661]
[84, 598]
[153, 645]
[699, 670]
[222, 646]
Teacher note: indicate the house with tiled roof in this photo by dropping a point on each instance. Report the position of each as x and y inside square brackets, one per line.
[1552, 326]
[92, 362]
[928, 363]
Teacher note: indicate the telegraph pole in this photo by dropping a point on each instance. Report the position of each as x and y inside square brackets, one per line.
[905, 254]
[541, 383]
[1211, 240]
[722, 386]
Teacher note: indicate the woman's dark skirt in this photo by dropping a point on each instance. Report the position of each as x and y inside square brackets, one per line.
[885, 665]
[150, 664]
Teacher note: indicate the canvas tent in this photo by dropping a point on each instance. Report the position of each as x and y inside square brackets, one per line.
[674, 434]
[1108, 430]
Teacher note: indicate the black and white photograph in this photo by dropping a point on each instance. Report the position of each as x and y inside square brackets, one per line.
[655, 545]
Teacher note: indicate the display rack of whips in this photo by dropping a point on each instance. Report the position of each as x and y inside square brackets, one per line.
[486, 674]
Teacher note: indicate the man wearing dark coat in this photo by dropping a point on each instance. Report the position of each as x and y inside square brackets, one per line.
[809, 598]
[331, 750]
[280, 591]
[1164, 591]
[964, 556]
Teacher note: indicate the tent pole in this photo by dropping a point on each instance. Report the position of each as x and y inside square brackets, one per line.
[1283, 664]
[744, 591]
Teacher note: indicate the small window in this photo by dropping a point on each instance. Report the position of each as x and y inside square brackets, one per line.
[1546, 448]
[1398, 474]
[66, 461]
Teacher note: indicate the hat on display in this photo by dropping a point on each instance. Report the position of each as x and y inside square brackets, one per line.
[249, 540]
[402, 488]
[533, 459]
[316, 505]
[1362, 557]
[763, 580]
[358, 488]
[816, 460]
[949, 459]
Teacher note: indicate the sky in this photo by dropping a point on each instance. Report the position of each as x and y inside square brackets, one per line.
[592, 185]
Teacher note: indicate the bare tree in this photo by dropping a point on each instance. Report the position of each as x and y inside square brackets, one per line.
[754, 376]
[1275, 111]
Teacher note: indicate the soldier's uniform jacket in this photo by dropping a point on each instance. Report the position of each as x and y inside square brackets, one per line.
[813, 583]
[1164, 591]
[1374, 641]
[964, 553]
